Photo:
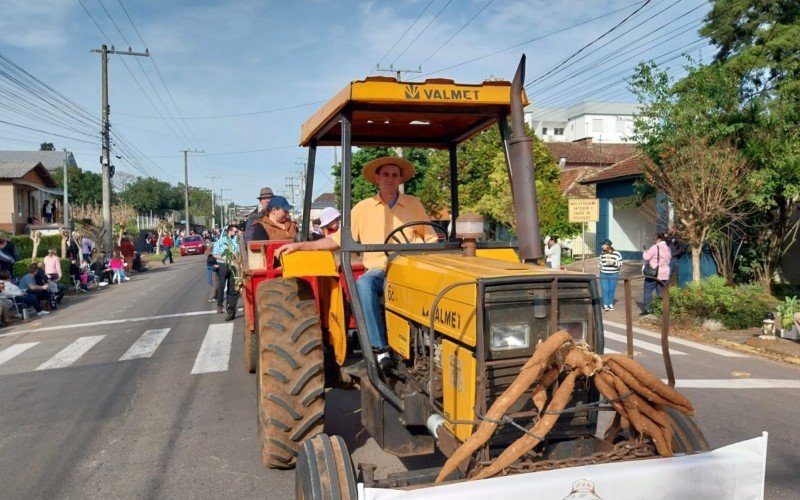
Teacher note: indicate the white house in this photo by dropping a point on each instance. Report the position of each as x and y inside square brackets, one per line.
[603, 122]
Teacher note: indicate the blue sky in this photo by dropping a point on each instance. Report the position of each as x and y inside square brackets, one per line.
[247, 57]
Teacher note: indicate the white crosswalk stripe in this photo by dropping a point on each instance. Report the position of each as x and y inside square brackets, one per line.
[641, 344]
[216, 349]
[14, 351]
[679, 341]
[146, 345]
[71, 353]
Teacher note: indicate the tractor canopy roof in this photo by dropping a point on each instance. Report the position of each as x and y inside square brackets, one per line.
[386, 112]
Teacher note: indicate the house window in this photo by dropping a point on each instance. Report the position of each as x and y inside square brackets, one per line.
[558, 131]
[619, 126]
[544, 130]
[597, 125]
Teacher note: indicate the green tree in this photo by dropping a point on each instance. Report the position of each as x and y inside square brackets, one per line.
[749, 96]
[148, 193]
[47, 146]
[85, 188]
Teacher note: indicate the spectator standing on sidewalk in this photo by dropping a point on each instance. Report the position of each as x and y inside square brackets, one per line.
[166, 242]
[658, 256]
[127, 250]
[553, 253]
[610, 263]
[226, 251]
[86, 248]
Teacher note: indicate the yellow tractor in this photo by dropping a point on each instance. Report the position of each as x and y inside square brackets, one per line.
[466, 320]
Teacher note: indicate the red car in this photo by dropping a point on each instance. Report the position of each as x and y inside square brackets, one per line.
[193, 245]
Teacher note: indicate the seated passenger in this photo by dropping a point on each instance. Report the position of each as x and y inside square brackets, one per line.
[276, 225]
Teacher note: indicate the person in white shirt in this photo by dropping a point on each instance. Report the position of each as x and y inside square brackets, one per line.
[553, 253]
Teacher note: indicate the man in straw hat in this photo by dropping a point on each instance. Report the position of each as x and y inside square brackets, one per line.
[371, 221]
[264, 196]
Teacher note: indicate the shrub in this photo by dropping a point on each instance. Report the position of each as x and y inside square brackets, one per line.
[736, 308]
[25, 245]
[21, 267]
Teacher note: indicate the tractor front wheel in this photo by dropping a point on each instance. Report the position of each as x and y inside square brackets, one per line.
[324, 470]
[291, 375]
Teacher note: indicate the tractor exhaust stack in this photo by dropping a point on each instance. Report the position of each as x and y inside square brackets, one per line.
[523, 181]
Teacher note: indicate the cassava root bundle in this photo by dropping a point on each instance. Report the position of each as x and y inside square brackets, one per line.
[635, 393]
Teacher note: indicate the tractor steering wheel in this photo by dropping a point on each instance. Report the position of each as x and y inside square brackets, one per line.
[437, 228]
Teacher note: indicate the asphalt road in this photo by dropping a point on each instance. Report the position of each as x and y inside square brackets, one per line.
[138, 391]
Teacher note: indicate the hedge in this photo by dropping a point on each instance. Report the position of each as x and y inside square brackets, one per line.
[21, 267]
[24, 245]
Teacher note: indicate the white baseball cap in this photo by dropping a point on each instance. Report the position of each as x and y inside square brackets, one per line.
[328, 215]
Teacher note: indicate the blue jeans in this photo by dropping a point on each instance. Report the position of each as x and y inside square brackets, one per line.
[650, 285]
[608, 285]
[370, 292]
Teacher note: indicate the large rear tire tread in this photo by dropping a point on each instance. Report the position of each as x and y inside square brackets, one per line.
[291, 375]
[250, 350]
[324, 470]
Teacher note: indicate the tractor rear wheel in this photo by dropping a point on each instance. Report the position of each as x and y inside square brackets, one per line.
[324, 470]
[291, 375]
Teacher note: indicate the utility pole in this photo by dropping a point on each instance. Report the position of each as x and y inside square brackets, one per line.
[224, 211]
[186, 184]
[397, 71]
[105, 159]
[65, 209]
[213, 208]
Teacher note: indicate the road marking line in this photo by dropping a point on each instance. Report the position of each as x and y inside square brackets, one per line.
[146, 345]
[641, 344]
[71, 353]
[108, 322]
[216, 349]
[675, 340]
[14, 350]
[606, 350]
[738, 383]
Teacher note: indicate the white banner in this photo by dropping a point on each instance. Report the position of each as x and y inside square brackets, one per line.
[736, 472]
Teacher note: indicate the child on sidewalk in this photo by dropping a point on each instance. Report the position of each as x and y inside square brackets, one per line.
[117, 265]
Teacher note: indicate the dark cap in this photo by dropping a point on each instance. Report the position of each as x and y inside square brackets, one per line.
[265, 193]
[279, 202]
[606, 242]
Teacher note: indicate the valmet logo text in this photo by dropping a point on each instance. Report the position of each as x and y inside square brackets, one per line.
[412, 92]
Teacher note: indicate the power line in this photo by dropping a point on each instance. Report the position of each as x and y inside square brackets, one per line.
[562, 63]
[404, 33]
[44, 132]
[235, 115]
[421, 32]
[526, 42]
[457, 32]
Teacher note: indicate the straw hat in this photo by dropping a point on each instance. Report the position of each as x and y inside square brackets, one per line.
[370, 170]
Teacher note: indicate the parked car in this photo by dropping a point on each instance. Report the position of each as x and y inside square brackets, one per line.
[193, 245]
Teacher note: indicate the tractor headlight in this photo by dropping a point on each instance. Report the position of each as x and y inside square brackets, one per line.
[508, 337]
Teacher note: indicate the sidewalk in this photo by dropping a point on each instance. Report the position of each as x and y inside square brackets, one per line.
[740, 340]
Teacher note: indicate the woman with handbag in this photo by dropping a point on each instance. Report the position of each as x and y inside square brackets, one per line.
[656, 268]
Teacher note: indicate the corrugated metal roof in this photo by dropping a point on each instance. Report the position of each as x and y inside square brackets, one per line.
[51, 160]
[16, 169]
